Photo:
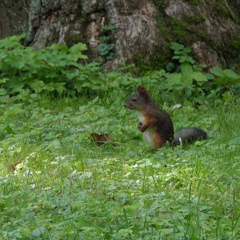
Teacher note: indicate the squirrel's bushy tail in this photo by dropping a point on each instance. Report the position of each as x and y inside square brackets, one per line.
[189, 135]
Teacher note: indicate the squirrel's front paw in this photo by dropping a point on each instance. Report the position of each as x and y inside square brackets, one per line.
[140, 126]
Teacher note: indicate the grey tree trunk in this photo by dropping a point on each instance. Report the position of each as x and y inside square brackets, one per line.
[13, 17]
[144, 28]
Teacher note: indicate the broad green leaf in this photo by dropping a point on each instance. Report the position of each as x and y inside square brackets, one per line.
[3, 80]
[16, 84]
[55, 144]
[37, 85]
[59, 47]
[103, 49]
[176, 46]
[79, 47]
[227, 96]
[187, 50]
[231, 74]
[209, 76]
[73, 74]
[12, 42]
[103, 39]
[216, 71]
[50, 86]
[60, 87]
[170, 66]
[174, 79]
[186, 68]
[187, 79]
[175, 57]
[200, 77]
[188, 91]
[2, 91]
[182, 59]
[38, 231]
[76, 51]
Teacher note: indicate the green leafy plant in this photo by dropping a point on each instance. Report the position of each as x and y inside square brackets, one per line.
[227, 79]
[106, 46]
[105, 49]
[65, 70]
[181, 53]
[55, 68]
[183, 77]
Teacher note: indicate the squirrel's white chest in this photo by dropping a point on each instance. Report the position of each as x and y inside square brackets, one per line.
[141, 118]
[148, 134]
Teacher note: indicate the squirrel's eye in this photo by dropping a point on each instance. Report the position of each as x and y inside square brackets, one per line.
[134, 99]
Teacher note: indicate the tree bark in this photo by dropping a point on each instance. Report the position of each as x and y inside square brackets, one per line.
[144, 28]
[13, 17]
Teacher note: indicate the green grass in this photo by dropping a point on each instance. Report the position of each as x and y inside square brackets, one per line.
[66, 187]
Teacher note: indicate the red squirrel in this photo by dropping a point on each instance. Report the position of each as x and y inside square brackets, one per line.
[156, 124]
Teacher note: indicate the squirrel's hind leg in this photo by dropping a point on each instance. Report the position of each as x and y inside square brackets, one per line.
[158, 140]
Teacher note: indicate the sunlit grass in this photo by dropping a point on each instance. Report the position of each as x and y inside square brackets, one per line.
[67, 187]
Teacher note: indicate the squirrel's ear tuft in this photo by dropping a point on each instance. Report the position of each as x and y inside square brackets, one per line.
[142, 90]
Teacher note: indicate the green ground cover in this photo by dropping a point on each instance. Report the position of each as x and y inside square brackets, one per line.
[66, 187]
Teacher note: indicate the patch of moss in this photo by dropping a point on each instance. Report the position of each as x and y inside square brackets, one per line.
[235, 45]
[72, 38]
[51, 39]
[185, 33]
[232, 54]
[180, 31]
[193, 2]
[161, 5]
[193, 19]
[156, 62]
[184, 30]
[221, 9]
[164, 32]
[131, 6]
[161, 21]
